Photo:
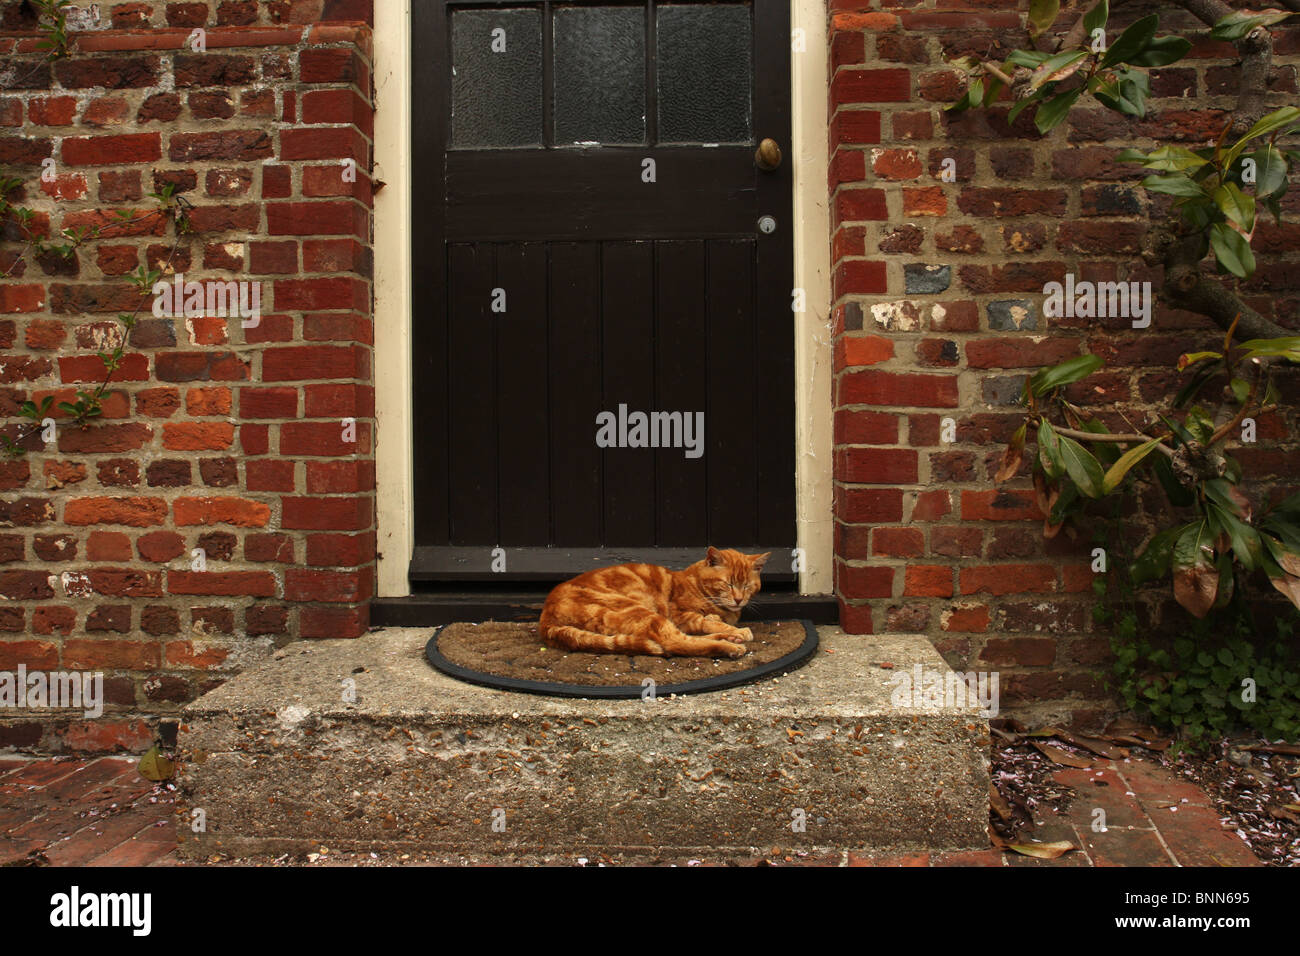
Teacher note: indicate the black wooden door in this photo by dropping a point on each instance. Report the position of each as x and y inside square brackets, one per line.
[594, 241]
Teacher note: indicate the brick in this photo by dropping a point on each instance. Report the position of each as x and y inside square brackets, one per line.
[898, 542]
[871, 86]
[234, 511]
[108, 546]
[884, 505]
[881, 466]
[855, 582]
[103, 654]
[231, 583]
[874, 387]
[340, 477]
[965, 618]
[865, 427]
[134, 512]
[998, 505]
[923, 580]
[337, 587]
[160, 546]
[198, 436]
[334, 622]
[1008, 579]
[112, 150]
[326, 514]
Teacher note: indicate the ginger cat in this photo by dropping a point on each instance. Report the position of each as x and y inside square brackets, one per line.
[646, 609]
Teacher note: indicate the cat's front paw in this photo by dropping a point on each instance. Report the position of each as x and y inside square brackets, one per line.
[729, 649]
[739, 635]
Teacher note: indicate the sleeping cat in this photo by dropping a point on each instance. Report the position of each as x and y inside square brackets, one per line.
[646, 609]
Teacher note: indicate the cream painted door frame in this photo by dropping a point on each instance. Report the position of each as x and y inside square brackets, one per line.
[395, 416]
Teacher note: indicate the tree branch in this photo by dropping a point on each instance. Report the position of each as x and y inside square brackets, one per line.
[1256, 49]
[1185, 287]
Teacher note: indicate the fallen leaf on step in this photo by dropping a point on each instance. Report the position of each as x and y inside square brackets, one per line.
[1062, 757]
[154, 766]
[999, 805]
[1099, 747]
[1043, 851]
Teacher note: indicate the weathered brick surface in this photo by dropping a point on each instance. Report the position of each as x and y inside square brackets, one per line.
[938, 287]
[209, 428]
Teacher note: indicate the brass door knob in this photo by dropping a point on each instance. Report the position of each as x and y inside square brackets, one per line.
[768, 155]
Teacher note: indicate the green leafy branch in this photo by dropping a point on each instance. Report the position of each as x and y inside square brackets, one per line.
[1188, 460]
[52, 22]
[89, 404]
[1207, 186]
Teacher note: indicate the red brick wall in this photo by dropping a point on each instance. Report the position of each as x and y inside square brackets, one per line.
[925, 541]
[213, 436]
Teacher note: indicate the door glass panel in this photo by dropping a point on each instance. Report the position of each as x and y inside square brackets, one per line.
[496, 78]
[599, 75]
[704, 73]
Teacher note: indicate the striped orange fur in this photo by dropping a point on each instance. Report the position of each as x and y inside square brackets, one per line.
[646, 609]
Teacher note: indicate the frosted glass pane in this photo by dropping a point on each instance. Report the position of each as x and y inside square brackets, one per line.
[496, 78]
[599, 75]
[704, 73]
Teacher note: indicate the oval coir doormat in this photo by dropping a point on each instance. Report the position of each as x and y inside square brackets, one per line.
[511, 656]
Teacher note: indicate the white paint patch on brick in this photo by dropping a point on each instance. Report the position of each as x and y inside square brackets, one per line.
[897, 316]
[76, 584]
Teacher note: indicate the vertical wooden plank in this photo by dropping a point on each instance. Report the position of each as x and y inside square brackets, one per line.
[471, 396]
[774, 273]
[575, 388]
[732, 458]
[774, 405]
[523, 439]
[627, 372]
[681, 370]
[428, 290]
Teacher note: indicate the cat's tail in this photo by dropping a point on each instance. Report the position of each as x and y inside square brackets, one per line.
[576, 639]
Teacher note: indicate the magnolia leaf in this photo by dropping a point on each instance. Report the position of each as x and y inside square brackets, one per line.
[1166, 159]
[1287, 559]
[1028, 58]
[1270, 171]
[1042, 14]
[1236, 205]
[1276, 120]
[1196, 579]
[1085, 471]
[1130, 458]
[1057, 68]
[1022, 105]
[154, 766]
[1288, 586]
[1231, 250]
[1096, 17]
[1161, 51]
[1045, 494]
[1175, 184]
[1014, 456]
[1131, 41]
[1043, 851]
[1049, 451]
[1071, 370]
[1241, 22]
[1191, 358]
[1053, 111]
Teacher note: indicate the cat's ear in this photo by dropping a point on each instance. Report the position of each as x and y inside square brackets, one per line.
[757, 561]
[715, 559]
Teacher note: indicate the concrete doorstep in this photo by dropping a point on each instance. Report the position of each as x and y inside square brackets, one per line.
[361, 745]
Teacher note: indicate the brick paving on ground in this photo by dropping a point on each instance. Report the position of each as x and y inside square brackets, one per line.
[101, 812]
